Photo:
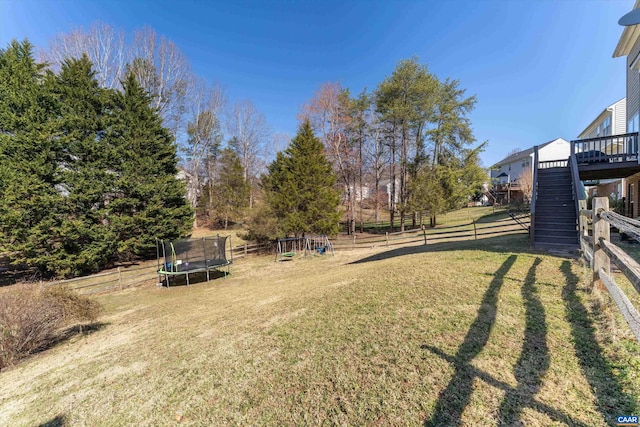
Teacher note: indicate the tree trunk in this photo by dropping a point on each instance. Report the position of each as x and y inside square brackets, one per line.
[392, 196]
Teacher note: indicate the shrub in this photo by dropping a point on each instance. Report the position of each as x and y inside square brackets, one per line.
[32, 317]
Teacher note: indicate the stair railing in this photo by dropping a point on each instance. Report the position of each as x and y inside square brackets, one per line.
[534, 197]
[579, 194]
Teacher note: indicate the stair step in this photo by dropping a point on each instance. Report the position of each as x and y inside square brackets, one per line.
[553, 185]
[550, 234]
[555, 201]
[560, 247]
[556, 225]
[557, 241]
[558, 175]
[554, 175]
[555, 198]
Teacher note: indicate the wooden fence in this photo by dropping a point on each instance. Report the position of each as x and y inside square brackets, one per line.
[598, 250]
[124, 277]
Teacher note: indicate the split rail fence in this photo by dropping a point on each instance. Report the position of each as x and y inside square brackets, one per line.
[124, 277]
[598, 250]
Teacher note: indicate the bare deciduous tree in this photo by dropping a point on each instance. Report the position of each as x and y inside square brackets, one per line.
[204, 136]
[329, 114]
[525, 180]
[104, 45]
[157, 63]
[249, 134]
[279, 142]
[160, 67]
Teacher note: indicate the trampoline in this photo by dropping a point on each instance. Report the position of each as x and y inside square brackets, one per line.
[186, 256]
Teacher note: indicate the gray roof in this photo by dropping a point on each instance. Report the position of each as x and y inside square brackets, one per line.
[520, 154]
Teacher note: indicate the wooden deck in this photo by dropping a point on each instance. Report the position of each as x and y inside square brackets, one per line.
[613, 156]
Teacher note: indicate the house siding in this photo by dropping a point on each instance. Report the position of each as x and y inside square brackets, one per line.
[618, 116]
[559, 149]
[514, 169]
[633, 83]
[619, 121]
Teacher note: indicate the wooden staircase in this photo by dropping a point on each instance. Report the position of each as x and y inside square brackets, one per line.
[555, 220]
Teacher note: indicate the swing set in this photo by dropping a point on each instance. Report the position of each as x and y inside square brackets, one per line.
[289, 247]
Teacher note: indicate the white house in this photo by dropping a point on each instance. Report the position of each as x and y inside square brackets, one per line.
[506, 174]
[629, 46]
[511, 167]
[611, 121]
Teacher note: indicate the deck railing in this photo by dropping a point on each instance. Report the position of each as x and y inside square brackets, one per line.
[598, 250]
[606, 149]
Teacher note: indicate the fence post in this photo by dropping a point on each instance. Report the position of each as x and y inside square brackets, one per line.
[386, 233]
[475, 233]
[353, 247]
[600, 229]
[424, 232]
[245, 249]
[119, 279]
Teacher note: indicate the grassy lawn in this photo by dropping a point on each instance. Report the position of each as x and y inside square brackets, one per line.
[471, 333]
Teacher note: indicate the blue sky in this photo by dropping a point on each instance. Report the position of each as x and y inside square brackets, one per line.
[540, 69]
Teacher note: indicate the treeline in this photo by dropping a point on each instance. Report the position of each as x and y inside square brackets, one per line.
[406, 147]
[223, 146]
[91, 137]
[87, 173]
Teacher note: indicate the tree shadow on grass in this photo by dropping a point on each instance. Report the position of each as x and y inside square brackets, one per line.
[534, 359]
[455, 397]
[611, 400]
[57, 421]
[532, 364]
[70, 332]
[502, 244]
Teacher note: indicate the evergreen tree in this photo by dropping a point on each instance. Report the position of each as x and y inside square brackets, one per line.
[29, 160]
[405, 102]
[231, 191]
[455, 167]
[86, 177]
[148, 201]
[300, 187]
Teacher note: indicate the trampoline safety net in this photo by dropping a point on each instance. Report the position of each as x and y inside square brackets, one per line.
[185, 256]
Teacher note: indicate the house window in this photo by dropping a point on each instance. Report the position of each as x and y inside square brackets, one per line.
[606, 126]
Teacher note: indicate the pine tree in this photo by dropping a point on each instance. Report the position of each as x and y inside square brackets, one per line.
[405, 102]
[148, 201]
[455, 165]
[231, 191]
[29, 160]
[300, 187]
[86, 178]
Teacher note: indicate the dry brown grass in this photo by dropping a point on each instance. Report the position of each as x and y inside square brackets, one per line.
[476, 333]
